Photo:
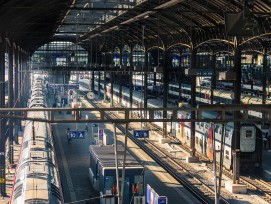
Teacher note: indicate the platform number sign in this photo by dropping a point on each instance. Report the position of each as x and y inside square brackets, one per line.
[141, 133]
[77, 134]
[162, 200]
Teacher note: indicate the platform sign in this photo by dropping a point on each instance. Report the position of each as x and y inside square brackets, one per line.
[204, 72]
[153, 198]
[141, 133]
[95, 125]
[101, 135]
[77, 134]
[162, 200]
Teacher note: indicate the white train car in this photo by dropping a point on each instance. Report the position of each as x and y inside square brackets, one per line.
[37, 179]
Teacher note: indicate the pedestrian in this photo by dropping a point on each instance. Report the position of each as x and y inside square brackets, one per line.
[86, 127]
[68, 134]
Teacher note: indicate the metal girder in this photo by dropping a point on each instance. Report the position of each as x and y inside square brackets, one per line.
[223, 110]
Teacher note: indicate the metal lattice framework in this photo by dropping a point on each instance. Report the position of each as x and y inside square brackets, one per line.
[150, 112]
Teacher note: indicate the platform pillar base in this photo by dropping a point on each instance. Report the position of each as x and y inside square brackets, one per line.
[163, 140]
[192, 159]
[235, 188]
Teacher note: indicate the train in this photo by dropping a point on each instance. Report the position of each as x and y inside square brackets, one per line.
[37, 178]
[251, 136]
[251, 140]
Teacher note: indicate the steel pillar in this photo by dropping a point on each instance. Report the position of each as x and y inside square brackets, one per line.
[105, 89]
[213, 79]
[264, 76]
[112, 90]
[16, 96]
[99, 82]
[131, 90]
[120, 89]
[165, 89]
[146, 80]
[10, 102]
[131, 57]
[193, 56]
[92, 81]
[2, 122]
[237, 97]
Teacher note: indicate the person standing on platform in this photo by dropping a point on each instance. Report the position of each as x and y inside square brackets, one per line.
[68, 135]
[86, 127]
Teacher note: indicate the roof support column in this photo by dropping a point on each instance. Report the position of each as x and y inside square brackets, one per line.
[193, 58]
[166, 62]
[121, 60]
[120, 89]
[105, 89]
[131, 89]
[264, 77]
[10, 101]
[2, 121]
[92, 80]
[111, 89]
[180, 78]
[16, 96]
[27, 77]
[236, 115]
[146, 63]
[99, 81]
[131, 57]
[119, 79]
[213, 78]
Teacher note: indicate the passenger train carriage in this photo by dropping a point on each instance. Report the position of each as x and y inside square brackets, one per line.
[250, 140]
[37, 178]
[251, 136]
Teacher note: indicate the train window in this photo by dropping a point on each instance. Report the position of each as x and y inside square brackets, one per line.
[227, 133]
[227, 154]
[202, 125]
[206, 125]
[248, 133]
[217, 128]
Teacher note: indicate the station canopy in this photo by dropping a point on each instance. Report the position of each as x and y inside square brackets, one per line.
[162, 23]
